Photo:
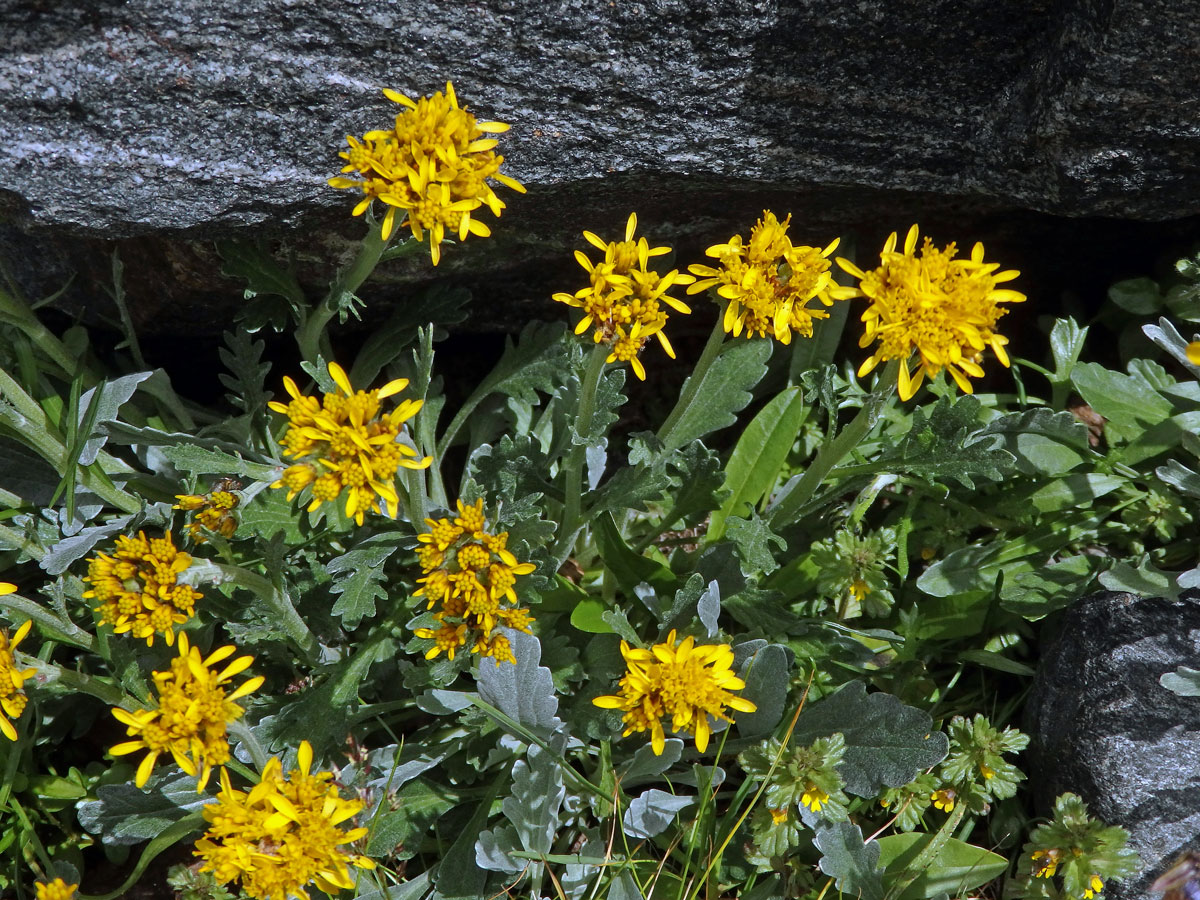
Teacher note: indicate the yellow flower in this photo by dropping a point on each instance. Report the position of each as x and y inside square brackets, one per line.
[779, 816]
[942, 307]
[1095, 886]
[192, 713]
[137, 587]
[769, 282]
[350, 446]
[7, 588]
[1049, 862]
[434, 165]
[689, 683]
[213, 511]
[282, 834]
[813, 797]
[470, 575]
[55, 890]
[12, 679]
[944, 799]
[624, 299]
[1193, 353]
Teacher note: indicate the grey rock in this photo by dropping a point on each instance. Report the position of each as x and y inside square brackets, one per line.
[160, 122]
[1104, 728]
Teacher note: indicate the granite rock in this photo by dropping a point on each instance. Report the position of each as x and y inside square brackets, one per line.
[161, 122]
[1105, 728]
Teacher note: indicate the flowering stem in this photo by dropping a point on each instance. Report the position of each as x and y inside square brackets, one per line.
[58, 629]
[573, 467]
[789, 506]
[712, 349]
[311, 335]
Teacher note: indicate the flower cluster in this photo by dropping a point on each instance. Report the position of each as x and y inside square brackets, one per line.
[348, 444]
[942, 307]
[1077, 849]
[12, 679]
[623, 302]
[55, 890]
[434, 165]
[213, 512]
[853, 571]
[137, 587]
[679, 679]
[802, 776]
[192, 713]
[469, 576]
[283, 834]
[769, 282]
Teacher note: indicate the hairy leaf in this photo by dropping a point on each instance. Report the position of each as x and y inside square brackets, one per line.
[242, 356]
[650, 813]
[361, 585]
[124, 814]
[887, 743]
[945, 443]
[399, 831]
[853, 864]
[723, 392]
[524, 691]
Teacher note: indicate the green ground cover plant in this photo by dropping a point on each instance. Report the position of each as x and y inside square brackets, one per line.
[337, 638]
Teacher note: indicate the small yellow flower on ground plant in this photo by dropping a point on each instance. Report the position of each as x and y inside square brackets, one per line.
[348, 444]
[434, 165]
[679, 679]
[942, 307]
[623, 304]
[12, 679]
[769, 282]
[55, 890]
[282, 834]
[944, 799]
[137, 587]
[193, 711]
[470, 576]
[1193, 353]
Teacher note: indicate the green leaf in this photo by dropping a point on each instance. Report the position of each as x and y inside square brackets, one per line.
[588, 615]
[998, 661]
[124, 814]
[1140, 296]
[761, 451]
[1122, 399]
[1179, 477]
[196, 460]
[1066, 343]
[242, 356]
[1050, 588]
[1145, 581]
[609, 401]
[753, 539]
[724, 391]
[270, 513]
[523, 691]
[650, 813]
[853, 864]
[957, 867]
[947, 443]
[439, 305]
[629, 568]
[398, 833]
[532, 808]
[359, 589]
[103, 403]
[263, 274]
[1162, 438]
[767, 675]
[1074, 491]
[632, 487]
[696, 483]
[887, 743]
[1043, 442]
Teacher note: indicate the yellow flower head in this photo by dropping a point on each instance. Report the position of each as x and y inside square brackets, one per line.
[944, 799]
[470, 576]
[12, 679]
[434, 165]
[1193, 353]
[623, 303]
[779, 816]
[348, 445]
[55, 890]
[1095, 886]
[1046, 862]
[213, 511]
[942, 307]
[678, 679]
[193, 711]
[813, 797]
[282, 834]
[137, 587]
[769, 282]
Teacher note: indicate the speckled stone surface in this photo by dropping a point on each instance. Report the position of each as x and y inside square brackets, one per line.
[167, 121]
[1103, 726]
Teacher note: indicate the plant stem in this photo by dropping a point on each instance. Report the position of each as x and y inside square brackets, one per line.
[17, 312]
[712, 349]
[311, 335]
[572, 472]
[834, 451]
